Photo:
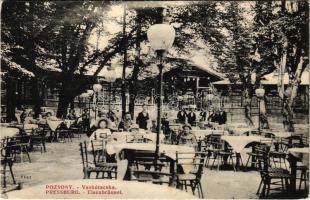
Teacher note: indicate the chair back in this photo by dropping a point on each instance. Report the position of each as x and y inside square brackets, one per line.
[263, 159]
[84, 156]
[195, 159]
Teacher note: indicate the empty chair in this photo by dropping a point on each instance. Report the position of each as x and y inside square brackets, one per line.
[269, 175]
[144, 168]
[6, 161]
[196, 160]
[89, 167]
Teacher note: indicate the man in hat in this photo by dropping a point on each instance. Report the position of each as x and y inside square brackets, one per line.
[191, 117]
[182, 116]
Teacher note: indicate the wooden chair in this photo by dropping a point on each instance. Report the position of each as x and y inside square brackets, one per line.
[220, 153]
[89, 167]
[6, 161]
[279, 151]
[37, 139]
[20, 144]
[270, 176]
[153, 171]
[197, 161]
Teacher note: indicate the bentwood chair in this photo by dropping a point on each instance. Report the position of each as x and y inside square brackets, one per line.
[89, 167]
[196, 160]
[144, 168]
[270, 176]
[6, 161]
[19, 145]
[37, 139]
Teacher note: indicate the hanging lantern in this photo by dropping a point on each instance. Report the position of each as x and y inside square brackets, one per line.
[161, 36]
[84, 95]
[97, 87]
[90, 92]
[260, 92]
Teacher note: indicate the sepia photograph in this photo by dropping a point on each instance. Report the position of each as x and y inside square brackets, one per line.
[154, 99]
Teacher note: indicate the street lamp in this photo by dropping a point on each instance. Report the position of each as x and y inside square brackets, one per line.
[97, 88]
[260, 92]
[83, 96]
[161, 37]
[89, 93]
[110, 78]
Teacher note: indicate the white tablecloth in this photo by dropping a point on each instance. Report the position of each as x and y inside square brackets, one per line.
[68, 122]
[238, 143]
[203, 133]
[85, 189]
[170, 150]
[120, 137]
[30, 126]
[53, 124]
[302, 153]
[8, 132]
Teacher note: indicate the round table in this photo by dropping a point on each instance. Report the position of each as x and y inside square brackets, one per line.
[100, 189]
[200, 134]
[53, 124]
[8, 132]
[295, 155]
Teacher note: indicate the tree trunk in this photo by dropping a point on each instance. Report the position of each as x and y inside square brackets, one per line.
[37, 101]
[247, 107]
[10, 101]
[65, 98]
[289, 96]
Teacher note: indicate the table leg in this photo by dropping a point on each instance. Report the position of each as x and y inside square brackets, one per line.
[253, 158]
[238, 156]
[292, 185]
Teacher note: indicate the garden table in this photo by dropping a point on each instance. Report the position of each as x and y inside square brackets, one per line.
[295, 155]
[99, 189]
[53, 124]
[8, 132]
[121, 137]
[168, 149]
[200, 134]
[238, 143]
[31, 126]
[68, 122]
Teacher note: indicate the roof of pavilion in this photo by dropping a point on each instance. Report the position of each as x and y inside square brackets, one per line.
[271, 79]
[187, 66]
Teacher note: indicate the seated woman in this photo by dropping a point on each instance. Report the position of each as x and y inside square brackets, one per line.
[29, 119]
[103, 132]
[186, 137]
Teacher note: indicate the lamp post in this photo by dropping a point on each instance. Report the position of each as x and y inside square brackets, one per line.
[83, 96]
[110, 78]
[97, 88]
[260, 92]
[161, 37]
[90, 93]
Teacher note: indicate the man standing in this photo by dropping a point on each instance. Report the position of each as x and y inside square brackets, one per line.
[182, 116]
[191, 117]
[222, 118]
[143, 118]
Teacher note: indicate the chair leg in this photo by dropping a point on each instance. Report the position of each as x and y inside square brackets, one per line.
[247, 162]
[11, 171]
[199, 185]
[260, 185]
[27, 152]
[268, 187]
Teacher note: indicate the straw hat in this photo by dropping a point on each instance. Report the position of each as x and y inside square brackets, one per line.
[187, 125]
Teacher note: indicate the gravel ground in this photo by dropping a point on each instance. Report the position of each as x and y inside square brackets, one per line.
[62, 161]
